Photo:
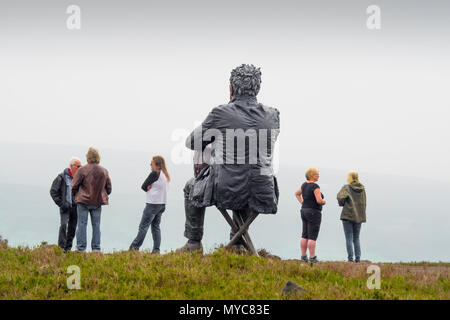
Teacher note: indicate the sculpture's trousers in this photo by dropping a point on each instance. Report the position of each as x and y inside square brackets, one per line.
[195, 217]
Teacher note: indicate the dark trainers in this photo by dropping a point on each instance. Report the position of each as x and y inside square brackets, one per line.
[191, 247]
[313, 259]
[155, 251]
[304, 258]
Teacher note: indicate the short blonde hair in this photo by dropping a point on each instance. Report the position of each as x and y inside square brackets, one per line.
[311, 172]
[93, 156]
[352, 177]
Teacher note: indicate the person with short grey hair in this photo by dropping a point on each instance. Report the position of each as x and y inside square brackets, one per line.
[61, 193]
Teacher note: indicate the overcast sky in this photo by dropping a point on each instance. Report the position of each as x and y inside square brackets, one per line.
[140, 74]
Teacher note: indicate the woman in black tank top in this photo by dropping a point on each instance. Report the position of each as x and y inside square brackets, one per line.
[311, 198]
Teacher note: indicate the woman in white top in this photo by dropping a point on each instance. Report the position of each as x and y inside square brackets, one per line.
[155, 187]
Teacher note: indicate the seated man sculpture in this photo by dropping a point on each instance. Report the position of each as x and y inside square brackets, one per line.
[233, 158]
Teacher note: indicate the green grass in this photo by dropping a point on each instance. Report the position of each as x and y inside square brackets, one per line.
[41, 273]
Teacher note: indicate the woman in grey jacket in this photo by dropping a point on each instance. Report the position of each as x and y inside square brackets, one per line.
[352, 197]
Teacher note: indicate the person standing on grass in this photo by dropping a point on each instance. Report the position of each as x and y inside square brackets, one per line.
[352, 197]
[311, 198]
[155, 187]
[61, 193]
[91, 187]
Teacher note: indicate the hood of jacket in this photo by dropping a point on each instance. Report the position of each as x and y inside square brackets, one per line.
[66, 172]
[356, 187]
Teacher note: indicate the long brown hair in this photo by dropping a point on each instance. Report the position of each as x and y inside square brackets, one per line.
[161, 164]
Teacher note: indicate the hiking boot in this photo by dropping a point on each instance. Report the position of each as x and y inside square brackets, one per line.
[191, 246]
[155, 251]
[304, 258]
[313, 259]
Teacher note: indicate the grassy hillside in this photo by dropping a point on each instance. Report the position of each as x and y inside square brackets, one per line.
[41, 273]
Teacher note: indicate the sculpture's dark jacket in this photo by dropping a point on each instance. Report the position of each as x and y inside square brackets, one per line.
[237, 180]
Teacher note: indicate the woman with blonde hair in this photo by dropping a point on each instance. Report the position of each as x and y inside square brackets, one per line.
[155, 187]
[352, 197]
[311, 198]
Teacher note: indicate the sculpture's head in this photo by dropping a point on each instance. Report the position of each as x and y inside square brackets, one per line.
[245, 80]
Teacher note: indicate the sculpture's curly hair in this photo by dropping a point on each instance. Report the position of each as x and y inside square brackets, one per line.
[246, 80]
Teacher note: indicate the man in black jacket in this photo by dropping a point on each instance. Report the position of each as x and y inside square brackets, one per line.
[240, 177]
[61, 193]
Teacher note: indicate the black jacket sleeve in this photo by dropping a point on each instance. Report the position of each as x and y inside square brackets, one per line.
[152, 177]
[55, 191]
[199, 135]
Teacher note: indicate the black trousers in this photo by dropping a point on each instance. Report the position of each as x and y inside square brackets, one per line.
[67, 228]
[311, 219]
[195, 217]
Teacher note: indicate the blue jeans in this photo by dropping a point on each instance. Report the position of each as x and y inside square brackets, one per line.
[83, 213]
[151, 216]
[352, 231]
